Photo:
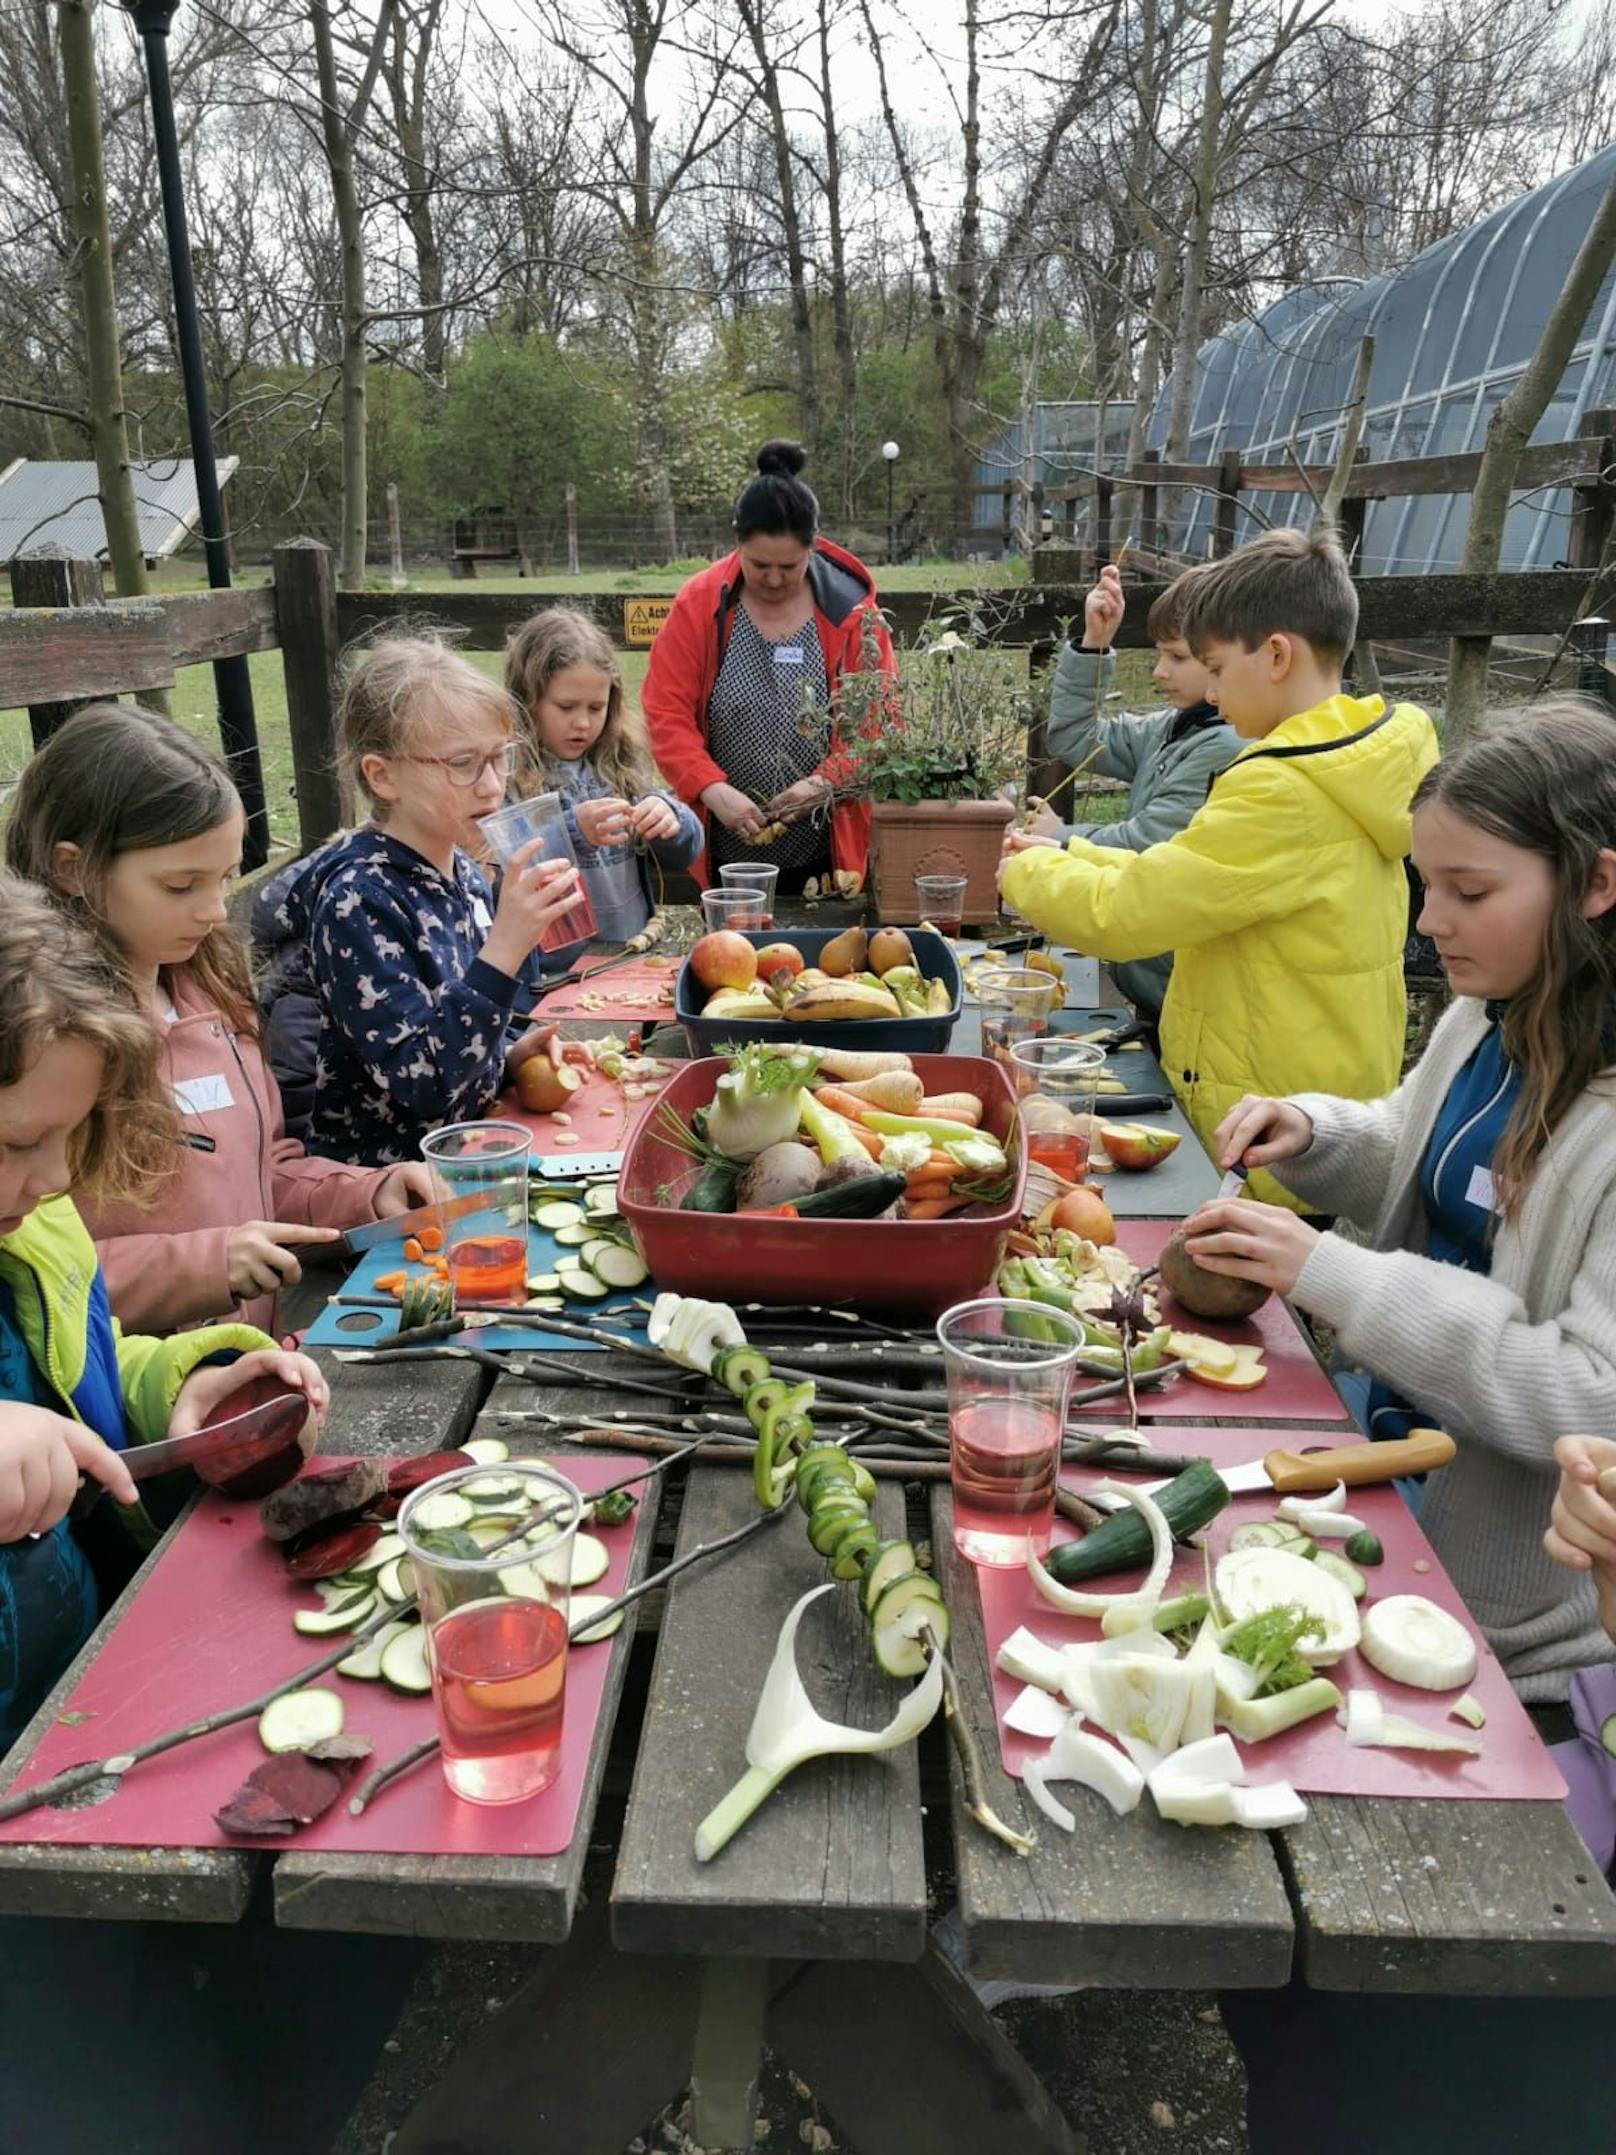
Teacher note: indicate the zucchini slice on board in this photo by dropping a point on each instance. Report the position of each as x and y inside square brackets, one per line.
[341, 1616]
[619, 1266]
[437, 1513]
[559, 1213]
[581, 1284]
[404, 1662]
[600, 1200]
[584, 1605]
[298, 1718]
[487, 1451]
[365, 1662]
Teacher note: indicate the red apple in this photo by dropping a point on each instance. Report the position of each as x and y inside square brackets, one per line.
[777, 958]
[724, 960]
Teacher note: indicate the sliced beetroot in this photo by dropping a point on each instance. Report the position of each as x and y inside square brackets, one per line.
[254, 1810]
[343, 1750]
[323, 1552]
[292, 1789]
[403, 1475]
[322, 1496]
[386, 1506]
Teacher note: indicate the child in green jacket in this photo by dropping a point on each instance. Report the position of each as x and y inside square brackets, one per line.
[1169, 758]
[79, 1105]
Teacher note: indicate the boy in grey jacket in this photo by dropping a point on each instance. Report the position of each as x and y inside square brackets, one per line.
[1168, 760]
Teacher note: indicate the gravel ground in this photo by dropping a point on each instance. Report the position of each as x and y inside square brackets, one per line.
[1135, 2073]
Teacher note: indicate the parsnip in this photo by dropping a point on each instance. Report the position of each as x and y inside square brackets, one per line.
[852, 1065]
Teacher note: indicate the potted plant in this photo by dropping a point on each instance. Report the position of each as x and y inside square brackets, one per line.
[940, 753]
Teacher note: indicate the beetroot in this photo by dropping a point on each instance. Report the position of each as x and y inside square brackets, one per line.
[293, 1788]
[403, 1475]
[323, 1552]
[322, 1497]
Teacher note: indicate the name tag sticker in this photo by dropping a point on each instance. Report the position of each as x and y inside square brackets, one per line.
[198, 1096]
[788, 655]
[1480, 1190]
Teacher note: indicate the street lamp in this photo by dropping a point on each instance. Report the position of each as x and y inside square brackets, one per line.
[889, 449]
[231, 679]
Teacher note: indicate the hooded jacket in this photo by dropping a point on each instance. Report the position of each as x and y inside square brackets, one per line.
[689, 649]
[1285, 902]
[1169, 759]
[170, 1265]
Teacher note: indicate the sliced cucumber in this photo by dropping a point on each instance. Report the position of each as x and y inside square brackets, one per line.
[829, 1523]
[581, 1285]
[540, 1283]
[340, 1616]
[1365, 1548]
[891, 1560]
[396, 1581]
[575, 1236]
[1261, 1534]
[907, 1608]
[404, 1664]
[545, 1305]
[558, 1213]
[298, 1718]
[492, 1489]
[446, 1508]
[1348, 1573]
[365, 1662]
[584, 1605]
[759, 1398]
[383, 1552]
[591, 1559]
[601, 1198]
[489, 1533]
[619, 1266]
[594, 1246]
[739, 1368]
[487, 1451]
[854, 1550]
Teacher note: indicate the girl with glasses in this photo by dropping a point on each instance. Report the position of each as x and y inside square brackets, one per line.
[420, 972]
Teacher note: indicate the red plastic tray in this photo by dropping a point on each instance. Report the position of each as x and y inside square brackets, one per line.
[212, 1625]
[1316, 1756]
[916, 1265]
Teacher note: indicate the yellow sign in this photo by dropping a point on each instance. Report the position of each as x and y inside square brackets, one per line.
[643, 617]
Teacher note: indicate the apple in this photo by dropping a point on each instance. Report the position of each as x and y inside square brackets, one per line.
[777, 958]
[1137, 1145]
[1248, 1372]
[542, 1086]
[1085, 1212]
[724, 960]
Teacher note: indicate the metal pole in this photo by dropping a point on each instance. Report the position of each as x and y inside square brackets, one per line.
[892, 543]
[231, 678]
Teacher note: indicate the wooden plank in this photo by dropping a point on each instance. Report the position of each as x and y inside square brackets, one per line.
[205, 625]
[1490, 1899]
[53, 577]
[129, 1885]
[52, 654]
[1131, 1903]
[520, 1899]
[831, 1867]
[306, 614]
[1553, 463]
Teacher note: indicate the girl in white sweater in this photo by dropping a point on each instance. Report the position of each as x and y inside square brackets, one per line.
[1479, 1285]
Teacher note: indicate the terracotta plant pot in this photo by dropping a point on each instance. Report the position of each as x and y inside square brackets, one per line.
[936, 838]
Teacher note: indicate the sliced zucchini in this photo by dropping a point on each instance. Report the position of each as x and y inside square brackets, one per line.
[1261, 1534]
[854, 1550]
[1348, 1573]
[382, 1552]
[298, 1718]
[907, 1608]
[487, 1451]
[545, 1305]
[365, 1662]
[539, 1283]
[759, 1398]
[493, 1489]
[583, 1606]
[404, 1664]
[445, 1508]
[340, 1616]
[590, 1250]
[590, 1560]
[890, 1560]
[601, 1198]
[558, 1213]
[396, 1581]
[829, 1522]
[1365, 1548]
[739, 1368]
[619, 1266]
[581, 1285]
[575, 1236]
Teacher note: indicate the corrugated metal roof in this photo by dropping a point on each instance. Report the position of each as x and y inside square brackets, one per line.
[56, 504]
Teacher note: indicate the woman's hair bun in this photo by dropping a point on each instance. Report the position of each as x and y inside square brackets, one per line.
[781, 459]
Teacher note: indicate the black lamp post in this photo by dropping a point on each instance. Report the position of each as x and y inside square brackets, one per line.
[1589, 639]
[231, 678]
[889, 449]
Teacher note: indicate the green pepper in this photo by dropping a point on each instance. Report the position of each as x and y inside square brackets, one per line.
[774, 1466]
[613, 1508]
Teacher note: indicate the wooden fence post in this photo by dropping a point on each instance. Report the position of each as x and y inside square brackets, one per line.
[395, 537]
[1044, 771]
[1594, 502]
[51, 576]
[1226, 507]
[1103, 492]
[306, 615]
[1150, 530]
[572, 530]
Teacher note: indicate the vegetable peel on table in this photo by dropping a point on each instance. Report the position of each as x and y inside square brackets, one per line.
[1145, 1599]
[292, 1789]
[1368, 1724]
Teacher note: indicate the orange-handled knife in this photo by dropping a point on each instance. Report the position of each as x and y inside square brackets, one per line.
[1299, 1473]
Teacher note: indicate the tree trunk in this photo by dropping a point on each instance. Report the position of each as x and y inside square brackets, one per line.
[1508, 432]
[961, 349]
[1198, 240]
[649, 307]
[802, 321]
[407, 83]
[841, 312]
[103, 359]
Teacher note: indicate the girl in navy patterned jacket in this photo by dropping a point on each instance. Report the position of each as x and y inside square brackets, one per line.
[417, 969]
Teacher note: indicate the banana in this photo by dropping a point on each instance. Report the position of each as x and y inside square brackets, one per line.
[938, 1000]
[739, 1003]
[832, 999]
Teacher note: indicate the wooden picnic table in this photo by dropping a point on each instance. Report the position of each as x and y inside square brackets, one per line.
[817, 1923]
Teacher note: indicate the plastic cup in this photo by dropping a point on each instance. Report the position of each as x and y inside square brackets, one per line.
[759, 876]
[1015, 1002]
[941, 900]
[508, 829]
[1054, 1080]
[1009, 1368]
[486, 1246]
[727, 908]
[496, 1621]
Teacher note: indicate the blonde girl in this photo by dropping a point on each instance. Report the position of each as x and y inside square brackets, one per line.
[81, 1109]
[419, 973]
[132, 827]
[580, 740]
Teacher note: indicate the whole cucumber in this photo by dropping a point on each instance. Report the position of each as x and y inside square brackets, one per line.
[1189, 1502]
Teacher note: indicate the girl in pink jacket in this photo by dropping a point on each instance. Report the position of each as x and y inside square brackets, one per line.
[132, 826]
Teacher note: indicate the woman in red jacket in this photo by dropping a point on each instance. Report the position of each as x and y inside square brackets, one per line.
[739, 696]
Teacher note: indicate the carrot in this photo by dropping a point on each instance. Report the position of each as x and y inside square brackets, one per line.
[840, 1102]
[953, 1107]
[390, 1283]
[430, 1238]
[932, 1208]
[413, 1250]
[867, 1138]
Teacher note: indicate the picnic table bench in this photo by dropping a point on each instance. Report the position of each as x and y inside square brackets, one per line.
[815, 1926]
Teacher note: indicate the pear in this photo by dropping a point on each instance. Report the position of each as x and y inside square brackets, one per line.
[845, 953]
[889, 947]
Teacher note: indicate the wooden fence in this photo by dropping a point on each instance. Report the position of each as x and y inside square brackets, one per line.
[55, 657]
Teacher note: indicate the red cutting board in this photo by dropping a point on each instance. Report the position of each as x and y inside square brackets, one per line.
[599, 1120]
[1296, 1390]
[1316, 1756]
[212, 1625]
[637, 992]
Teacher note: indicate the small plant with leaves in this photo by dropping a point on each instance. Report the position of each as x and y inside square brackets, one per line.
[952, 727]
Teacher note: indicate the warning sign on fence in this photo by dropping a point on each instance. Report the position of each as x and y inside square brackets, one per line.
[643, 617]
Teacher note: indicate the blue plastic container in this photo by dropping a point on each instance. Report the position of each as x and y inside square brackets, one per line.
[908, 1036]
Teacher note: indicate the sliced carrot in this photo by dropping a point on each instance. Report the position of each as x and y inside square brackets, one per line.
[391, 1282]
[430, 1238]
[413, 1251]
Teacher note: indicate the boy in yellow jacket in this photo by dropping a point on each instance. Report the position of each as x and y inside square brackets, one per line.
[1284, 898]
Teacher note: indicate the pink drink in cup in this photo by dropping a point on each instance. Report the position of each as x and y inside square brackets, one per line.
[486, 1247]
[497, 1628]
[507, 830]
[1009, 1367]
[732, 908]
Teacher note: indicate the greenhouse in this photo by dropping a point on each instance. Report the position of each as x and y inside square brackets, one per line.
[1453, 330]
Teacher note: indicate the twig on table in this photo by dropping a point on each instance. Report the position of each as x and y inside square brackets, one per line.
[970, 1758]
[395, 1768]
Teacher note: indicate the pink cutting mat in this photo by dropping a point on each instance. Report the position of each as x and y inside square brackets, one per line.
[639, 992]
[213, 1625]
[1296, 1390]
[599, 1120]
[1316, 1756]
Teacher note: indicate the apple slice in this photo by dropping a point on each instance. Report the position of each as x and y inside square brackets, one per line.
[1136, 1146]
[1204, 1352]
[1249, 1371]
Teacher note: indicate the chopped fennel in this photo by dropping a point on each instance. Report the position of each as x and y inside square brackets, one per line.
[1146, 1598]
[1250, 1581]
[1470, 1710]
[1033, 1662]
[1414, 1642]
[1033, 1712]
[1255, 1720]
[1331, 1500]
[1369, 1725]
[1075, 1755]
